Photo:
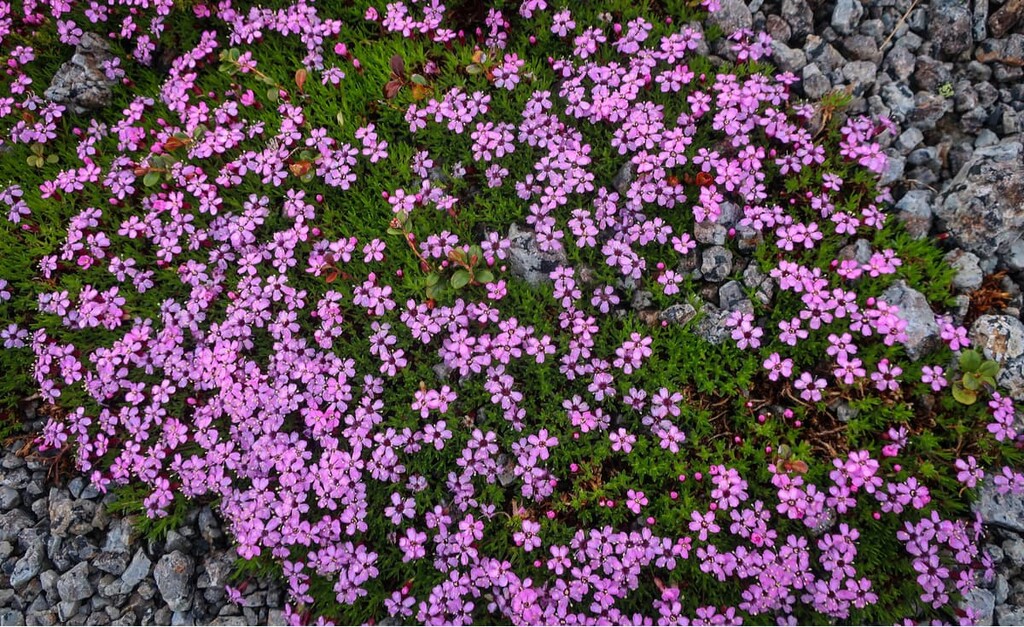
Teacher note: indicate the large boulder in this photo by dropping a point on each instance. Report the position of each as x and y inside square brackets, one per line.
[983, 207]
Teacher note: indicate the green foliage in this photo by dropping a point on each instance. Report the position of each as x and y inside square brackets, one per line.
[975, 374]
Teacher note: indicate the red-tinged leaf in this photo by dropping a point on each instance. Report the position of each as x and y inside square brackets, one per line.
[798, 466]
[419, 92]
[300, 168]
[392, 88]
[300, 78]
[332, 276]
[704, 179]
[398, 65]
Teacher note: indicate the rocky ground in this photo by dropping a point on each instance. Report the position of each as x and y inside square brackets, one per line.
[948, 73]
[65, 559]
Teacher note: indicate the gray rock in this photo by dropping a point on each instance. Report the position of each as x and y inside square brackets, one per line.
[983, 206]
[788, 59]
[860, 74]
[9, 499]
[732, 16]
[799, 16]
[136, 571]
[922, 329]
[928, 110]
[12, 523]
[11, 616]
[899, 99]
[716, 263]
[761, 283]
[732, 297]
[950, 27]
[1009, 50]
[1004, 510]
[173, 575]
[846, 15]
[711, 325]
[527, 261]
[1009, 615]
[968, 270]
[113, 563]
[209, 527]
[678, 314]
[861, 48]
[121, 534]
[778, 29]
[710, 233]
[909, 140]
[624, 178]
[1001, 339]
[1001, 590]
[74, 585]
[26, 568]
[70, 517]
[982, 602]
[1013, 549]
[900, 62]
[642, 299]
[815, 83]
[915, 211]
[81, 83]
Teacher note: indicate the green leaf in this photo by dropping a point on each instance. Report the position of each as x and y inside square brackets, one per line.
[273, 95]
[970, 360]
[433, 278]
[474, 69]
[989, 368]
[485, 276]
[419, 79]
[966, 397]
[972, 381]
[460, 279]
[394, 231]
[151, 179]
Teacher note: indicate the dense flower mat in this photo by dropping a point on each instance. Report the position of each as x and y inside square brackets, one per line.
[374, 279]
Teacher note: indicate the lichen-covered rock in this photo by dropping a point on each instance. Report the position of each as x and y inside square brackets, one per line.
[983, 207]
[527, 261]
[81, 83]
[1001, 339]
[949, 26]
[173, 575]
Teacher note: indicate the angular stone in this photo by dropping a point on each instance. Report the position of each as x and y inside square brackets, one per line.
[173, 575]
[915, 212]
[74, 585]
[1001, 339]
[922, 329]
[732, 16]
[716, 263]
[950, 27]
[968, 270]
[527, 261]
[82, 82]
[982, 208]
[846, 15]
[678, 314]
